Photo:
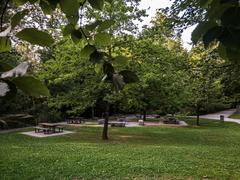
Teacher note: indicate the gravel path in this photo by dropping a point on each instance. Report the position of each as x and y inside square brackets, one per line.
[226, 113]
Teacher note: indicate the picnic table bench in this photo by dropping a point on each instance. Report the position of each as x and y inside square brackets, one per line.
[60, 128]
[39, 129]
[48, 128]
[117, 124]
[75, 120]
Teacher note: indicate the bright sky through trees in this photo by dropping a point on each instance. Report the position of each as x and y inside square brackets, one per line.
[153, 5]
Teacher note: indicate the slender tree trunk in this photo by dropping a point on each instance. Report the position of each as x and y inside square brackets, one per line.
[34, 111]
[144, 115]
[105, 127]
[92, 114]
[198, 124]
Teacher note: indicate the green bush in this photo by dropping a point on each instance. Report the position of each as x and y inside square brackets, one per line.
[215, 107]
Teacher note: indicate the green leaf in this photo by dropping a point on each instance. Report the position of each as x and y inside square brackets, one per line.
[92, 26]
[45, 6]
[231, 17]
[205, 3]
[35, 36]
[96, 56]
[201, 29]
[31, 86]
[103, 39]
[21, 2]
[5, 44]
[230, 38]
[48, 6]
[222, 51]
[98, 68]
[68, 29]
[87, 51]
[97, 4]
[129, 76]
[105, 25]
[230, 2]
[121, 60]
[76, 36]
[5, 67]
[109, 1]
[233, 55]
[18, 17]
[73, 19]
[217, 9]
[70, 7]
[211, 35]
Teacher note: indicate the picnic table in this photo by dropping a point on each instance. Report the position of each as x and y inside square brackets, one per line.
[49, 127]
[75, 120]
[117, 124]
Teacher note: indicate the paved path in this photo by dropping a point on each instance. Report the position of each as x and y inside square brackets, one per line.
[225, 113]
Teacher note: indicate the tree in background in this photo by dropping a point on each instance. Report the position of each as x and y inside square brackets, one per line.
[205, 76]
[159, 61]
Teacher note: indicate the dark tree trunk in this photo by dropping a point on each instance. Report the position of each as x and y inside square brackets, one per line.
[198, 114]
[105, 127]
[144, 115]
[92, 113]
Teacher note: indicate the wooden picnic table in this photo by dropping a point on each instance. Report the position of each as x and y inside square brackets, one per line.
[117, 124]
[51, 126]
[75, 120]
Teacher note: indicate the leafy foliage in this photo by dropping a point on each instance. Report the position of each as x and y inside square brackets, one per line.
[5, 44]
[30, 86]
[35, 36]
[15, 20]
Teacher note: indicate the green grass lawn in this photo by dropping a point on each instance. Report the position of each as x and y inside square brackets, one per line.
[211, 151]
[235, 116]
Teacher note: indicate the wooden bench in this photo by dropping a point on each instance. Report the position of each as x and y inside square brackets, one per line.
[39, 129]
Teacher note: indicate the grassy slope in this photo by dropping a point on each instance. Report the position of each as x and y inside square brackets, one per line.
[235, 116]
[209, 151]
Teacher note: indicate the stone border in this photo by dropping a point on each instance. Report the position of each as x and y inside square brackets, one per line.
[42, 135]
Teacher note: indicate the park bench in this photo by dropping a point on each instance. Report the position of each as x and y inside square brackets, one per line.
[42, 129]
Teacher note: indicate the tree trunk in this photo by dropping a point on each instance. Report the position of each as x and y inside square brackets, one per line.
[105, 127]
[198, 124]
[92, 113]
[144, 115]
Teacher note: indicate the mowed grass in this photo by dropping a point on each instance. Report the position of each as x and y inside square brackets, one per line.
[235, 116]
[211, 151]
